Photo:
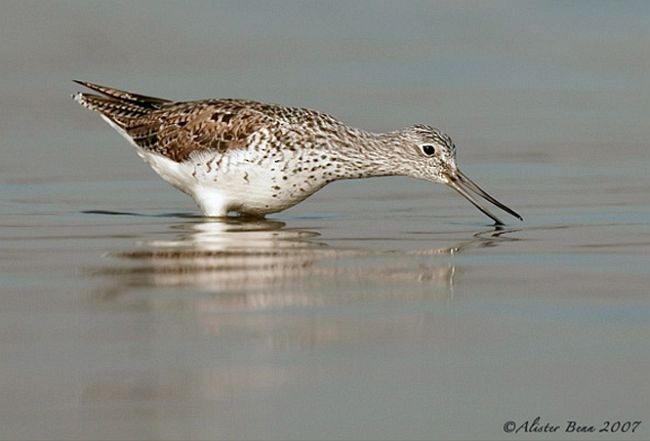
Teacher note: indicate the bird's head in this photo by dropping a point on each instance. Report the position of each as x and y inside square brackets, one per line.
[430, 154]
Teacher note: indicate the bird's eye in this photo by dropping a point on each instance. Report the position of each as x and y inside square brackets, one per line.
[428, 149]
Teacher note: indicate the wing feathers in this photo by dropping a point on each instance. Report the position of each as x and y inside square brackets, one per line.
[178, 129]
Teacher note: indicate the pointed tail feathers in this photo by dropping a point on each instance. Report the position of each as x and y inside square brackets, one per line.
[123, 96]
[117, 105]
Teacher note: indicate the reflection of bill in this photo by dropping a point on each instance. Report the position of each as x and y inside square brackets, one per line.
[243, 260]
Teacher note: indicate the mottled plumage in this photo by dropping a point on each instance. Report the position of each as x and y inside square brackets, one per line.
[235, 155]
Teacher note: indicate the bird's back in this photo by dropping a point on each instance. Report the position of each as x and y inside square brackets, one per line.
[176, 130]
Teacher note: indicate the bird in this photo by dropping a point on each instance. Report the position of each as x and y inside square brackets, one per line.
[237, 156]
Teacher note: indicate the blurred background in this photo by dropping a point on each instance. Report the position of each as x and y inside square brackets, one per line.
[384, 308]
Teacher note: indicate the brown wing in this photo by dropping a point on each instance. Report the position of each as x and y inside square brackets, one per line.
[176, 130]
[218, 125]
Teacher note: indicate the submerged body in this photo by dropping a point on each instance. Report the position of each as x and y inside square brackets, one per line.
[254, 158]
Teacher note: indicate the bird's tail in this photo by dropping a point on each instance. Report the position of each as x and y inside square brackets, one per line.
[117, 105]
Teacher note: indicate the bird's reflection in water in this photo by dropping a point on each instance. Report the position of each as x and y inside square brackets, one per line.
[230, 296]
[220, 256]
[263, 264]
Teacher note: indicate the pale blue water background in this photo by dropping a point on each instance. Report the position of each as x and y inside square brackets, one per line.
[384, 308]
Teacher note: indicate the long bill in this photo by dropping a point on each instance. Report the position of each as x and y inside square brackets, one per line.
[461, 183]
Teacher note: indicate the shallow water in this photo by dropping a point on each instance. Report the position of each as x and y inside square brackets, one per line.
[382, 308]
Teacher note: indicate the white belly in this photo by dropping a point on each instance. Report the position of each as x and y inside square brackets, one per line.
[235, 182]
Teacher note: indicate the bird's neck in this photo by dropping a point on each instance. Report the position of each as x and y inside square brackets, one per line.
[366, 154]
